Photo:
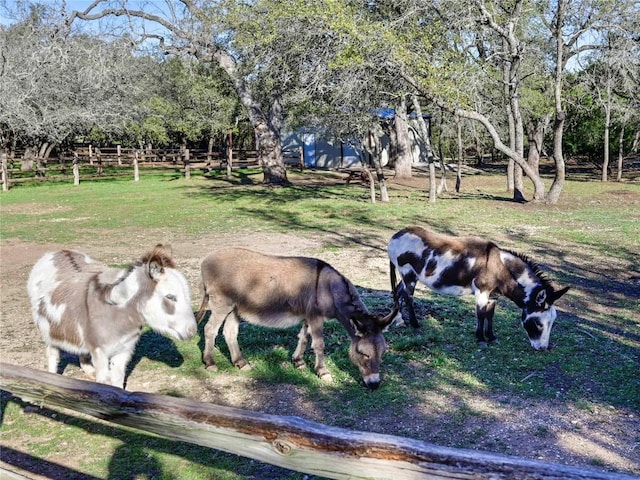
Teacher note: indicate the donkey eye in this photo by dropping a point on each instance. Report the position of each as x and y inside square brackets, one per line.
[171, 297]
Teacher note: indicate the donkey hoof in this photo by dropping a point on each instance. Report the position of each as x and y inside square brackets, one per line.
[482, 344]
[326, 377]
[245, 368]
[212, 368]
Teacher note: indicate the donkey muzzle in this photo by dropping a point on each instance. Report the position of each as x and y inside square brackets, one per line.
[372, 381]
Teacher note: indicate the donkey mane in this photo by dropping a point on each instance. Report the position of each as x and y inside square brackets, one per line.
[160, 254]
[537, 270]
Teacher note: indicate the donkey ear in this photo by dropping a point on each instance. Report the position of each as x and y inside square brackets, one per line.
[357, 327]
[541, 298]
[558, 293]
[384, 322]
[155, 270]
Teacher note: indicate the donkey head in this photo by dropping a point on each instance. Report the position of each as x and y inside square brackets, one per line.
[167, 308]
[539, 314]
[368, 345]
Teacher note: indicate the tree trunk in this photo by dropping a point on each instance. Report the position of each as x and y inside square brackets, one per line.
[518, 184]
[553, 195]
[556, 187]
[443, 168]
[269, 149]
[511, 183]
[372, 183]
[460, 153]
[636, 141]
[382, 182]
[535, 135]
[478, 145]
[402, 145]
[620, 153]
[27, 159]
[424, 133]
[373, 148]
[511, 167]
[607, 129]
[538, 184]
[266, 125]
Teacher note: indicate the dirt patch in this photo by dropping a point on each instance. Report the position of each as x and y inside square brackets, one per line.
[548, 429]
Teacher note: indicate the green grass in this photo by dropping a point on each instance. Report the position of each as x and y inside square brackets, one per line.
[594, 362]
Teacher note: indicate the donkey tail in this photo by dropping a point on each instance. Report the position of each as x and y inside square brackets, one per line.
[394, 284]
[203, 306]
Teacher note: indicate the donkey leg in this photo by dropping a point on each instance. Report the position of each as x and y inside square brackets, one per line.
[53, 358]
[488, 332]
[298, 361]
[118, 368]
[218, 315]
[480, 330]
[101, 363]
[484, 313]
[87, 366]
[316, 330]
[230, 332]
[408, 298]
[406, 289]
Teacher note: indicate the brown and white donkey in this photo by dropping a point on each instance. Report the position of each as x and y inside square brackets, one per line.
[473, 266]
[97, 312]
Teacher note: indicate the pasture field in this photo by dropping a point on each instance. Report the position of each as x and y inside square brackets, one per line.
[577, 404]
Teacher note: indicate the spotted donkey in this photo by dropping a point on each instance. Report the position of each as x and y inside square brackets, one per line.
[473, 266]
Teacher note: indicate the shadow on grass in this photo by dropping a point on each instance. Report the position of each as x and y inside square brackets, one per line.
[151, 345]
[40, 466]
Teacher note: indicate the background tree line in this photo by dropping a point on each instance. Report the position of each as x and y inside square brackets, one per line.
[527, 78]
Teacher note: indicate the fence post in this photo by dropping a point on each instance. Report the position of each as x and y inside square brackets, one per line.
[5, 171]
[76, 169]
[136, 170]
[187, 165]
[118, 154]
[99, 160]
[230, 154]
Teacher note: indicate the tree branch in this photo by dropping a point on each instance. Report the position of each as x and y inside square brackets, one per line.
[120, 12]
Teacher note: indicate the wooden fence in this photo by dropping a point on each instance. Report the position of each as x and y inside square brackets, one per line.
[89, 162]
[288, 442]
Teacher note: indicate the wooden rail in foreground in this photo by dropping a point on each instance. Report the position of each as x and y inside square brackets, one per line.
[288, 442]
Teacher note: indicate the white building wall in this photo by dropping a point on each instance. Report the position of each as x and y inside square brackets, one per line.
[327, 153]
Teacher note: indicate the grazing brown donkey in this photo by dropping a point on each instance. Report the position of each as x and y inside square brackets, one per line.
[281, 292]
[97, 312]
[473, 266]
